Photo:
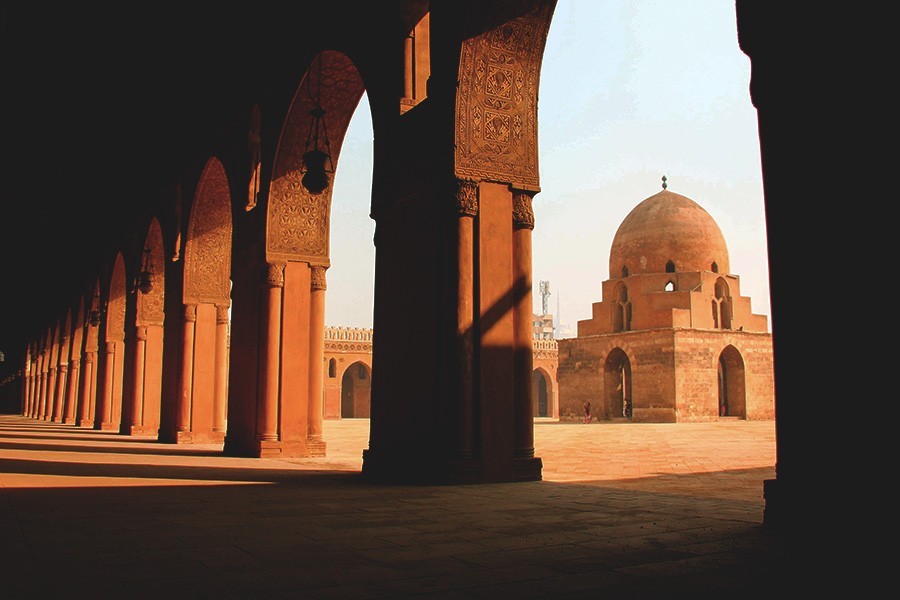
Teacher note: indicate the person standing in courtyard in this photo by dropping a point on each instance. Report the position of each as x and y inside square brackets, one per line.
[587, 412]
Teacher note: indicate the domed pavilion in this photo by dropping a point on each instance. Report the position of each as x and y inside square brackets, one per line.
[672, 340]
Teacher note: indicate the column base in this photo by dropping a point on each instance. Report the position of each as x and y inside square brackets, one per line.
[193, 437]
[315, 446]
[141, 431]
[108, 427]
[282, 449]
[403, 467]
[528, 469]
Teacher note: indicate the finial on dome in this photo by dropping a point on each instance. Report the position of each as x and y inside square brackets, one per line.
[664, 181]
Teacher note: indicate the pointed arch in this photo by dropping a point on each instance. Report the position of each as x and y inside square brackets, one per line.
[618, 398]
[297, 223]
[200, 414]
[356, 390]
[543, 393]
[621, 312]
[722, 305]
[732, 389]
[143, 378]
[112, 350]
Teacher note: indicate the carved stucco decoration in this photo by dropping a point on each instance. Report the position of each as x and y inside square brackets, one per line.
[297, 225]
[207, 254]
[496, 102]
[466, 197]
[317, 278]
[523, 214]
[115, 306]
[253, 150]
[150, 309]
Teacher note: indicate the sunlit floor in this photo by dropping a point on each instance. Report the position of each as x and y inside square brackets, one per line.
[624, 510]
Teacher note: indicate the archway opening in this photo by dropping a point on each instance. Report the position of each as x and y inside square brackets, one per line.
[618, 400]
[540, 389]
[356, 391]
[732, 397]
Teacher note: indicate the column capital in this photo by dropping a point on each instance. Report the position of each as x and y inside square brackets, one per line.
[140, 333]
[274, 274]
[190, 313]
[317, 278]
[221, 314]
[523, 215]
[466, 196]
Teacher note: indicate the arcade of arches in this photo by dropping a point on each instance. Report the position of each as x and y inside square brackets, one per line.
[348, 374]
[453, 89]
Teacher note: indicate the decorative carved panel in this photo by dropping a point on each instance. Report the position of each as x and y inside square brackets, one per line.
[496, 103]
[150, 310]
[207, 255]
[297, 226]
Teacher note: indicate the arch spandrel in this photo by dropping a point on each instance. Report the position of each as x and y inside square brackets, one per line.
[207, 255]
[77, 329]
[150, 309]
[115, 307]
[297, 224]
[496, 100]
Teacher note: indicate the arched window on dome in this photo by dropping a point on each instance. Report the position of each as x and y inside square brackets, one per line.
[721, 306]
[624, 271]
[670, 286]
[670, 267]
[714, 267]
[622, 310]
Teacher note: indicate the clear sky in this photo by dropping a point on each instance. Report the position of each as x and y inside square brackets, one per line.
[630, 91]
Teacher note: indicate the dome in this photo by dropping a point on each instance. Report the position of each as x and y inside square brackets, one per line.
[668, 227]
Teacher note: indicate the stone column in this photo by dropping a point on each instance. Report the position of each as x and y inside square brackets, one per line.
[30, 387]
[186, 379]
[137, 390]
[220, 391]
[50, 394]
[523, 224]
[59, 396]
[409, 73]
[314, 442]
[26, 390]
[84, 418]
[267, 409]
[466, 210]
[42, 402]
[72, 390]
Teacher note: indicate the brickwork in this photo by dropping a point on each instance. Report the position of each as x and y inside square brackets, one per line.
[674, 374]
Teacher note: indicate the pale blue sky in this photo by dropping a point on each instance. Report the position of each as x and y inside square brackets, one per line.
[629, 92]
